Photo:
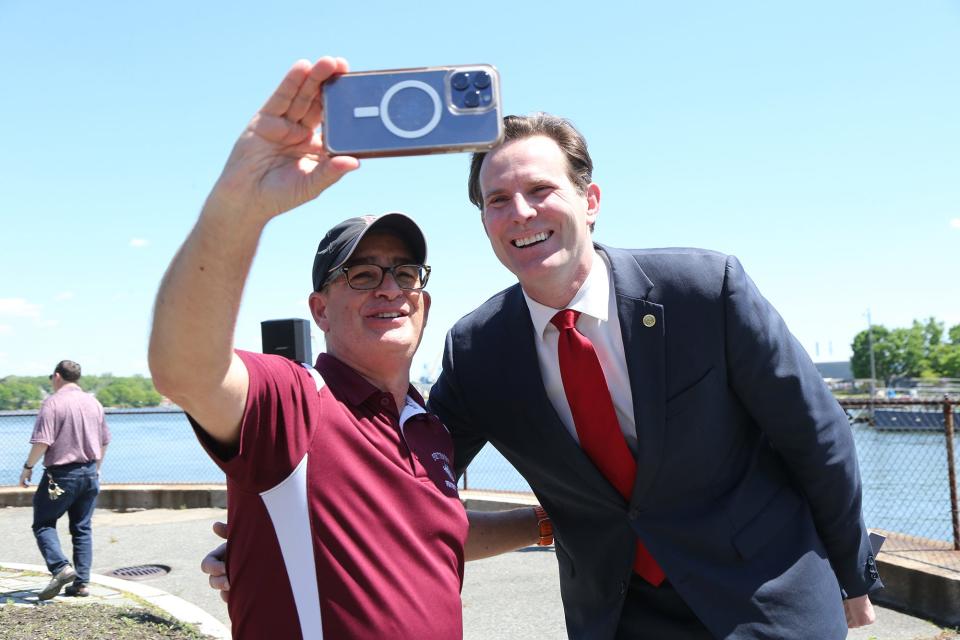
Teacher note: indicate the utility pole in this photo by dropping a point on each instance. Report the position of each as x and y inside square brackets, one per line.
[873, 364]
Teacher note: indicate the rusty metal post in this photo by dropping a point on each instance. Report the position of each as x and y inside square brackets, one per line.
[951, 470]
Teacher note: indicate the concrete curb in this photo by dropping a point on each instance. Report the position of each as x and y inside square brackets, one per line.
[912, 585]
[136, 496]
[919, 589]
[174, 606]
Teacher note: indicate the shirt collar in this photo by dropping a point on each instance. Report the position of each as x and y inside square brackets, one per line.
[410, 409]
[356, 389]
[591, 299]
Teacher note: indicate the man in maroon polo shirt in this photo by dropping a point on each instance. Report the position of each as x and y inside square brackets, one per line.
[344, 516]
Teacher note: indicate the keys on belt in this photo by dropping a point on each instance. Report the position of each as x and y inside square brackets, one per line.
[53, 489]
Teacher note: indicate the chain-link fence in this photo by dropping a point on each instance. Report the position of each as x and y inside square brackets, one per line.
[148, 446]
[908, 459]
[157, 446]
[905, 461]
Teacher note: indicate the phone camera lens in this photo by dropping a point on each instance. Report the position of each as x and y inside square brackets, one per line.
[481, 80]
[471, 99]
[460, 81]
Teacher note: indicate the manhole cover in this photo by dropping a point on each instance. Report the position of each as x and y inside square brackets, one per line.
[140, 572]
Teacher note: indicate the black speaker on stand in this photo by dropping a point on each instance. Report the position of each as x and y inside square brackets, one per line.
[289, 338]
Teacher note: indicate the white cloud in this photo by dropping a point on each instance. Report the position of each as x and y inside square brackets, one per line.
[47, 324]
[955, 223]
[6, 330]
[138, 243]
[18, 308]
[64, 295]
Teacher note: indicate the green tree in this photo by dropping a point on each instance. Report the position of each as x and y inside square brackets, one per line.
[18, 395]
[129, 392]
[26, 393]
[954, 334]
[949, 361]
[915, 352]
[883, 353]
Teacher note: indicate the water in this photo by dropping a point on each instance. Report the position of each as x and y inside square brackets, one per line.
[905, 481]
[146, 448]
[904, 473]
[159, 446]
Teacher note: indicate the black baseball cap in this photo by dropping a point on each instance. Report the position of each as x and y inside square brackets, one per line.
[342, 240]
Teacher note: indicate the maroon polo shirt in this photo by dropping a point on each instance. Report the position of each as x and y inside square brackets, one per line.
[344, 517]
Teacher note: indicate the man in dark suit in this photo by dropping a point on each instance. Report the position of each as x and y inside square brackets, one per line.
[743, 514]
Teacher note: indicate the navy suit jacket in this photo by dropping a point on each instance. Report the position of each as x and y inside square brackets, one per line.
[747, 490]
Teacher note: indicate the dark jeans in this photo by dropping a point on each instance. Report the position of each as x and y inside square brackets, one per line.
[80, 486]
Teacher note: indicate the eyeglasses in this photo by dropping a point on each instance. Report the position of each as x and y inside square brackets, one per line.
[364, 277]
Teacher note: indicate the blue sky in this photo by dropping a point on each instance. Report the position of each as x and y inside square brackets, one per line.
[818, 141]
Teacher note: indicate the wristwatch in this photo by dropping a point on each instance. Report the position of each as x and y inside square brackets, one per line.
[26, 467]
[544, 526]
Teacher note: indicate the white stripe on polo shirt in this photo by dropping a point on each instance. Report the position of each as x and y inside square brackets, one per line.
[287, 505]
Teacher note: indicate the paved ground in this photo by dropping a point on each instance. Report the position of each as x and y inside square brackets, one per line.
[512, 596]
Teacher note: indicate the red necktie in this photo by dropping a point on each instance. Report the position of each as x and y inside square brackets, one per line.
[596, 421]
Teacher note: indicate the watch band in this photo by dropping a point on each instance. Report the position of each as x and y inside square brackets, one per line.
[26, 467]
[544, 526]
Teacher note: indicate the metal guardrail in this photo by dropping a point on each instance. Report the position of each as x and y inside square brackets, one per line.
[158, 446]
[148, 446]
[909, 475]
[916, 422]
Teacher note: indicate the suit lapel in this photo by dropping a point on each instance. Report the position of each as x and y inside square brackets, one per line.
[546, 431]
[642, 326]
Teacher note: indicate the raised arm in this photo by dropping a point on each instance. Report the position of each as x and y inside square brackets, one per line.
[277, 164]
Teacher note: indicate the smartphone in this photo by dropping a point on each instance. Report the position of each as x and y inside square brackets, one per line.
[412, 111]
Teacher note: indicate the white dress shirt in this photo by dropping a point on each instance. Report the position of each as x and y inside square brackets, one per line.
[599, 322]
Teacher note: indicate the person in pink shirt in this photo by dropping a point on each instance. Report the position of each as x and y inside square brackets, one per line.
[72, 436]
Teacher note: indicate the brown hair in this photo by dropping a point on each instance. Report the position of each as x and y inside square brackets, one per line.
[560, 130]
[69, 370]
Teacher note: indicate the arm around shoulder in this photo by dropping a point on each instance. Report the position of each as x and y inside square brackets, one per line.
[447, 402]
[495, 532]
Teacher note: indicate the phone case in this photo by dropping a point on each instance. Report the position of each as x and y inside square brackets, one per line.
[412, 111]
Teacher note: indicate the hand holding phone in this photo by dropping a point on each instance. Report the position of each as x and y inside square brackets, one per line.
[277, 164]
[412, 111]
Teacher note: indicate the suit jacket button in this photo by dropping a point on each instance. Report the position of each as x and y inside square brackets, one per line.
[649, 320]
[623, 587]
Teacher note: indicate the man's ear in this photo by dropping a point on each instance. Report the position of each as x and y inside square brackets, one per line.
[593, 202]
[426, 306]
[318, 309]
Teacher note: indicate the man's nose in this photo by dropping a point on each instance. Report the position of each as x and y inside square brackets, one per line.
[522, 209]
[388, 286]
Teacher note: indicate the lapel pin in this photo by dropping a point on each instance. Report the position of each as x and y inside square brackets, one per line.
[649, 320]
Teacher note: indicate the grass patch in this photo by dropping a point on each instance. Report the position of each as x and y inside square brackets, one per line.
[61, 621]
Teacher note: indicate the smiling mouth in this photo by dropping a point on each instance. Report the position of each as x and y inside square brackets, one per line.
[388, 315]
[536, 238]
